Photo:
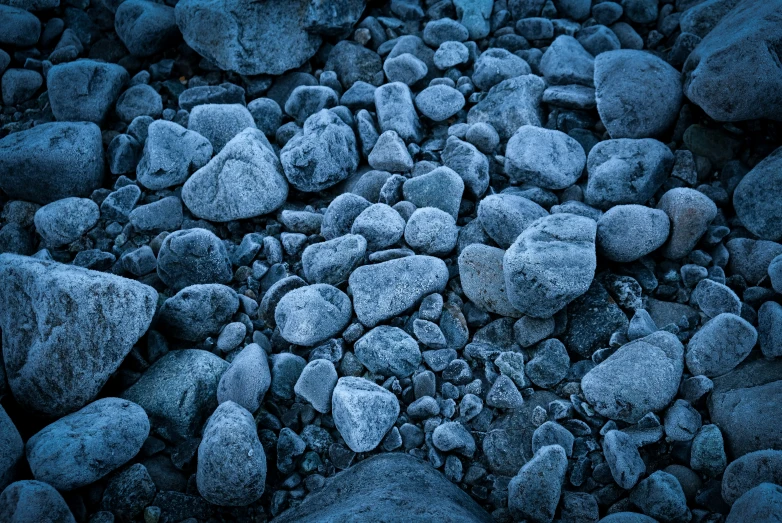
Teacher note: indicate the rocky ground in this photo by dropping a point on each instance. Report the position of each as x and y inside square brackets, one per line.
[416, 260]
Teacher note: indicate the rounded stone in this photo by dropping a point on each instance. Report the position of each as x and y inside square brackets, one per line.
[312, 314]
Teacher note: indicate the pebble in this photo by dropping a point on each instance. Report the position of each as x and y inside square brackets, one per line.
[198, 311]
[18, 27]
[439, 102]
[567, 62]
[193, 257]
[405, 68]
[690, 213]
[551, 433]
[312, 314]
[534, 493]
[380, 225]
[390, 154]
[388, 351]
[306, 100]
[544, 158]
[469, 163]
[65, 221]
[510, 104]
[316, 384]
[246, 380]
[340, 215]
[549, 364]
[286, 369]
[720, 345]
[451, 54]
[431, 231]
[11, 450]
[139, 100]
[626, 233]
[219, 123]
[30, 500]
[145, 27]
[332, 261]
[623, 459]
[363, 412]
[714, 298]
[495, 65]
[20, 85]
[504, 394]
[770, 329]
[452, 436]
[395, 111]
[707, 453]
[749, 471]
[757, 504]
[162, 215]
[483, 280]
[171, 154]
[661, 497]
[755, 196]
[505, 216]
[682, 421]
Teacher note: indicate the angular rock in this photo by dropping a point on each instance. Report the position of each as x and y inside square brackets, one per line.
[544, 158]
[145, 27]
[533, 494]
[316, 384]
[757, 195]
[388, 351]
[510, 104]
[247, 379]
[37, 501]
[171, 154]
[363, 412]
[567, 62]
[84, 90]
[441, 188]
[219, 123]
[623, 460]
[198, 311]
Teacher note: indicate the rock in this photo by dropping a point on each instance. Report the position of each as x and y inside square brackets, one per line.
[550, 264]
[431, 231]
[220, 123]
[18, 28]
[354, 63]
[441, 188]
[708, 451]
[332, 261]
[322, 155]
[58, 358]
[171, 154]
[139, 100]
[567, 62]
[598, 39]
[316, 384]
[623, 459]
[11, 449]
[640, 377]
[483, 281]
[439, 102]
[145, 27]
[390, 154]
[468, 162]
[384, 290]
[592, 318]
[450, 54]
[737, 46]
[20, 85]
[83, 447]
[327, 19]
[395, 111]
[495, 65]
[84, 90]
[286, 370]
[474, 15]
[690, 212]
[246, 380]
[775, 274]
[760, 504]
[388, 351]
[505, 216]
[31, 500]
[178, 392]
[162, 215]
[312, 314]
[225, 93]
[66, 220]
[52, 161]
[198, 311]
[341, 212]
[751, 258]
[549, 365]
[682, 421]
[770, 329]
[572, 96]
[714, 298]
[191, 257]
[551, 433]
[638, 94]
[544, 158]
[363, 412]
[307, 100]
[627, 517]
[756, 195]
[452, 436]
[248, 38]
[749, 471]
[129, 492]
[380, 224]
[533, 494]
[243, 180]
[504, 394]
[393, 487]
[405, 68]
[661, 496]
[626, 233]
[510, 104]
[231, 460]
[625, 171]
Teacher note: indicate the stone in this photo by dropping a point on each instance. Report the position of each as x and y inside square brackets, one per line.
[353, 64]
[505, 216]
[510, 104]
[316, 384]
[640, 377]
[749, 471]
[439, 102]
[598, 39]
[544, 158]
[145, 27]
[139, 100]
[441, 188]
[286, 370]
[720, 345]
[626, 233]
[623, 459]
[85, 446]
[625, 171]
[551, 433]
[231, 460]
[567, 62]
[52, 161]
[452, 436]
[495, 65]
[550, 264]
[388, 351]
[474, 15]
[340, 214]
[384, 290]
[572, 96]
[162, 215]
[682, 421]
[84, 90]
[707, 453]
[332, 261]
[57, 359]
[363, 412]
[533, 494]
[690, 213]
[770, 329]
[661, 496]
[450, 54]
[761, 504]
[714, 298]
[198, 311]
[18, 28]
[380, 225]
[225, 93]
[592, 318]
[246, 380]
[30, 500]
[249, 38]
[129, 492]
[312, 314]
[219, 123]
[483, 281]
[549, 364]
[179, 392]
[192, 257]
[431, 231]
[395, 111]
[11, 450]
[405, 68]
[66, 220]
[307, 100]
[171, 154]
[638, 94]
[751, 258]
[755, 196]
[504, 394]
[390, 154]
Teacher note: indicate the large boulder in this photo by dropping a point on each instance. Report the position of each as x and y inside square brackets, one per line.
[52, 161]
[66, 330]
[248, 37]
[393, 488]
[734, 73]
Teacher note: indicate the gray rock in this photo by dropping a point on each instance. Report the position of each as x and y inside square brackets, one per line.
[533, 494]
[316, 384]
[549, 364]
[178, 392]
[626, 233]
[266, 113]
[380, 225]
[286, 370]
[66, 220]
[495, 65]
[11, 449]
[84, 90]
[544, 158]
[714, 298]
[452, 436]
[761, 504]
[468, 162]
[392, 487]
[431, 231]
[246, 37]
[627, 517]
[504, 394]
[83, 447]
[567, 62]
[363, 412]
[720, 345]
[52, 161]
[623, 460]
[231, 460]
[57, 358]
[690, 212]
[510, 104]
[340, 214]
[751, 258]
[550, 264]
[322, 155]
[661, 496]
[327, 19]
[405, 68]
[775, 273]
[139, 100]
[118, 205]
[749, 471]
[682, 421]
[474, 15]
[505, 216]
[129, 492]
[145, 27]
[354, 63]
[572, 96]
[20, 85]
[441, 188]
[551, 433]
[395, 111]
[755, 198]
[598, 39]
[37, 501]
[439, 102]
[247, 379]
[219, 123]
[707, 453]
[171, 154]
[483, 281]
[162, 215]
[638, 94]
[736, 48]
[312, 314]
[451, 54]
[388, 351]
[640, 377]
[18, 28]
[307, 100]
[225, 93]
[243, 180]
[386, 289]
[332, 261]
[770, 329]
[192, 257]
[390, 154]
[592, 318]
[198, 311]
[626, 171]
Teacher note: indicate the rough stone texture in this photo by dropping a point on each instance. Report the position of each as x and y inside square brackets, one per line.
[85, 90]
[749, 471]
[762, 504]
[58, 357]
[757, 196]
[363, 412]
[34, 501]
[11, 449]
[198, 311]
[388, 351]
[510, 104]
[544, 158]
[311, 314]
[720, 345]
[483, 280]
[247, 379]
[171, 154]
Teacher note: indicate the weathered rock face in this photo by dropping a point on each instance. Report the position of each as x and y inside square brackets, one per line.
[66, 330]
[393, 488]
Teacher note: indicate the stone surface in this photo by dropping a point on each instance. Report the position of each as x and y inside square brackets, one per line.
[85, 90]
[544, 158]
[483, 280]
[30, 500]
[363, 412]
[311, 314]
[388, 351]
[171, 154]
[510, 104]
[756, 196]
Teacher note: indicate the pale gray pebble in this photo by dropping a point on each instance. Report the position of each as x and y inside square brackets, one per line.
[231, 336]
[714, 298]
[316, 384]
[469, 163]
[624, 460]
[451, 54]
[690, 213]
[388, 351]
[534, 493]
[34, 501]
[340, 215]
[267, 115]
[139, 100]
[549, 364]
[661, 496]
[171, 154]
[505, 216]
[118, 204]
[439, 102]
[572, 96]
[431, 231]
[396, 112]
[626, 233]
[510, 104]
[312, 314]
[759, 504]
[544, 157]
[682, 421]
[363, 412]
[307, 100]
[191, 257]
[162, 215]
[85, 446]
[247, 379]
[535, 28]
[66, 220]
[495, 65]
[483, 280]
[219, 123]
[292, 242]
[231, 460]
[390, 154]
[452, 436]
[551, 433]
[504, 394]
[483, 136]
[720, 345]
[405, 68]
[198, 311]
[436, 32]
[361, 95]
[380, 225]
[527, 331]
[567, 62]
[332, 261]
[423, 408]
[429, 334]
[286, 369]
